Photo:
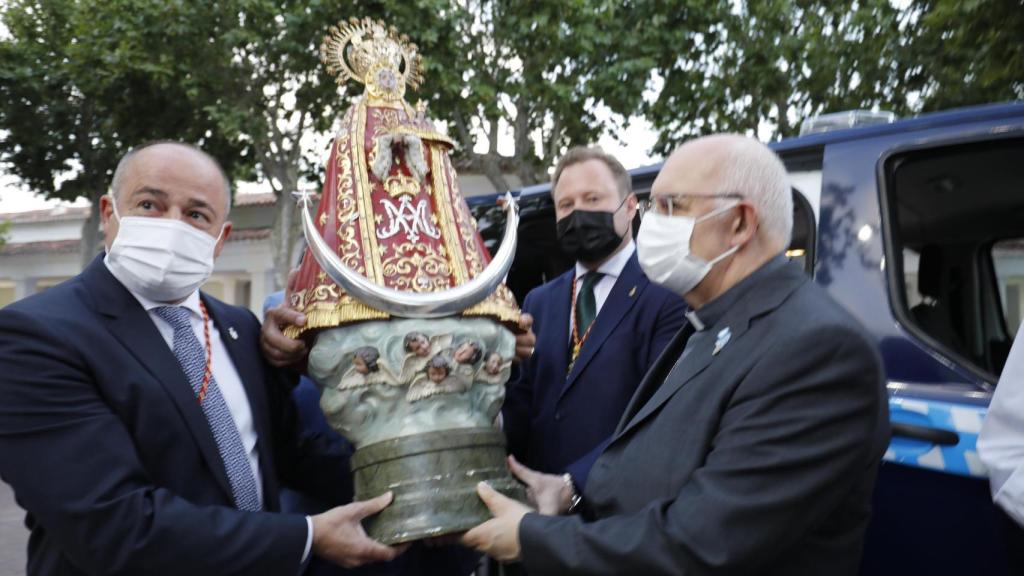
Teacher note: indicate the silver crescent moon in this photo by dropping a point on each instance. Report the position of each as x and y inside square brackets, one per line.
[410, 304]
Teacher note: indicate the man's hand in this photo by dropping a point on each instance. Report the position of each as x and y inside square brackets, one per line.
[499, 536]
[279, 349]
[527, 340]
[339, 537]
[548, 493]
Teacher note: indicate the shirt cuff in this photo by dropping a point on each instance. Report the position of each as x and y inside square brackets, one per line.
[309, 540]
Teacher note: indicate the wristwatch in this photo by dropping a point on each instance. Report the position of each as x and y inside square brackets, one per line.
[574, 497]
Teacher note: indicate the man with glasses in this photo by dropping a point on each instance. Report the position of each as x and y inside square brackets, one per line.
[599, 327]
[752, 445]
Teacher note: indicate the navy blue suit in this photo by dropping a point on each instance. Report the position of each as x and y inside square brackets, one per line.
[107, 449]
[558, 422]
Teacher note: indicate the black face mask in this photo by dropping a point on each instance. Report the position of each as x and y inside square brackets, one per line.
[589, 236]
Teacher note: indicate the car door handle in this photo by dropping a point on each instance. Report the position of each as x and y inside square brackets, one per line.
[926, 433]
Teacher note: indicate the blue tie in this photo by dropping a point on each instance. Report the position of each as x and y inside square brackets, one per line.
[192, 358]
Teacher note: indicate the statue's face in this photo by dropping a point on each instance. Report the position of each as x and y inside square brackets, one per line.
[436, 374]
[360, 365]
[464, 353]
[419, 345]
[493, 364]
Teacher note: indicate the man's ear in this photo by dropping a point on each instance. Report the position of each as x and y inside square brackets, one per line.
[223, 238]
[745, 226]
[107, 220]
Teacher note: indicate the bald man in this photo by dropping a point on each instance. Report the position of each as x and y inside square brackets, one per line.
[140, 427]
[752, 445]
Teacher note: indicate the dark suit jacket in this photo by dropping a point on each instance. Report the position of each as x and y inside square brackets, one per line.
[107, 449]
[557, 422]
[760, 459]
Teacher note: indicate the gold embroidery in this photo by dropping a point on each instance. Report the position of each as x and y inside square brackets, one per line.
[443, 207]
[372, 257]
[417, 267]
[466, 230]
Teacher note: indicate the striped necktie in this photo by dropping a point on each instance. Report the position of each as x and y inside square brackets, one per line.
[192, 358]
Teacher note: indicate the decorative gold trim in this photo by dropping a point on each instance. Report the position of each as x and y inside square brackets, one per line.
[373, 257]
[381, 103]
[326, 315]
[443, 208]
[349, 249]
[466, 229]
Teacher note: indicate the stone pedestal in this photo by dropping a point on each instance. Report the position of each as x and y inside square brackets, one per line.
[433, 477]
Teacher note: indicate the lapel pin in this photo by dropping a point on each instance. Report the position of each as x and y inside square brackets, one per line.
[723, 338]
[232, 332]
[632, 291]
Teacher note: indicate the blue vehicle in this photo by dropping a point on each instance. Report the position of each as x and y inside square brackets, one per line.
[917, 227]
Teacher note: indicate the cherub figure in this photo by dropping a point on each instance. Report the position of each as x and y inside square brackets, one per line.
[466, 355]
[365, 370]
[491, 371]
[437, 380]
[418, 351]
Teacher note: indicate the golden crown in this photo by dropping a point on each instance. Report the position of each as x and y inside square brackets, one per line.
[374, 54]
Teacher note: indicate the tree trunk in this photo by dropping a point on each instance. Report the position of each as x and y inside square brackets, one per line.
[91, 231]
[490, 165]
[285, 231]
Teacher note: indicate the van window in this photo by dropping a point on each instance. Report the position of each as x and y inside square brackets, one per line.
[954, 224]
[1008, 260]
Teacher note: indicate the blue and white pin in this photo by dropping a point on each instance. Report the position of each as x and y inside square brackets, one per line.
[721, 340]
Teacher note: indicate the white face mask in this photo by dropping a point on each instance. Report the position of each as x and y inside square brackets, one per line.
[160, 259]
[663, 249]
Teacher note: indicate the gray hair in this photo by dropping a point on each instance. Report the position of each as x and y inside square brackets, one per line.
[122, 167]
[754, 170]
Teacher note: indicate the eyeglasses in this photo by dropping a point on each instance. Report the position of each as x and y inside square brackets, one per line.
[669, 204]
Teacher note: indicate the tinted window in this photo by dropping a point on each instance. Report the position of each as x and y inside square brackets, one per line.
[954, 216]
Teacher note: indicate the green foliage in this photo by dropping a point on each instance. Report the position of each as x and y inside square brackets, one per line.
[773, 63]
[969, 52]
[750, 66]
[5, 230]
[82, 81]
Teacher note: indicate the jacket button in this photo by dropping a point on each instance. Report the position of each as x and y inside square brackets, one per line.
[558, 415]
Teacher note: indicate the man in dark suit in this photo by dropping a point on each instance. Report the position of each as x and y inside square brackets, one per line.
[752, 445]
[599, 326]
[139, 425]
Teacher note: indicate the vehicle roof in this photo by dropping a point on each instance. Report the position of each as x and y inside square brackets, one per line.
[925, 121]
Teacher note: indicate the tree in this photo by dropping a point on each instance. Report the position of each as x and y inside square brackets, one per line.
[769, 64]
[5, 229]
[968, 52]
[82, 81]
[536, 71]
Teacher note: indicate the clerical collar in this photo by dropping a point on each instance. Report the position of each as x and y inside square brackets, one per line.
[713, 311]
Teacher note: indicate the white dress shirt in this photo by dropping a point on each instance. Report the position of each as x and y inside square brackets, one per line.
[1001, 442]
[611, 270]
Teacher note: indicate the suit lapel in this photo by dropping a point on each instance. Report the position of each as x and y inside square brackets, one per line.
[656, 375]
[770, 292]
[134, 329]
[624, 295]
[555, 321]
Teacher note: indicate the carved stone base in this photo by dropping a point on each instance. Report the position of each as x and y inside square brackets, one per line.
[433, 477]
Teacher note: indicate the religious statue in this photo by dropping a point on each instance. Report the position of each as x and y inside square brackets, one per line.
[410, 321]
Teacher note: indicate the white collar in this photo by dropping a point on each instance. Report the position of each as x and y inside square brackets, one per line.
[613, 266]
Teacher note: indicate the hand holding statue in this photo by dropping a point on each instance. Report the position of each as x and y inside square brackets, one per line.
[338, 535]
[278, 349]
